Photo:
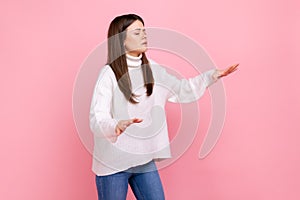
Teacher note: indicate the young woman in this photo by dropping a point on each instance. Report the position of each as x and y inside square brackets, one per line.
[127, 113]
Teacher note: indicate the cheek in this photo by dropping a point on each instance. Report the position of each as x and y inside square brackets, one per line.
[131, 43]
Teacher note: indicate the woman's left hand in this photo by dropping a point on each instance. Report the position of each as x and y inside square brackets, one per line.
[221, 73]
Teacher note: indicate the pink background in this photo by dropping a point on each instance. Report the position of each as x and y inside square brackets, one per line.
[43, 44]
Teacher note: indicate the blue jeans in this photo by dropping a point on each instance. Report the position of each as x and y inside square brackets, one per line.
[144, 181]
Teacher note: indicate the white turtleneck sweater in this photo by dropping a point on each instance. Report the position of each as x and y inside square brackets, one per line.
[145, 141]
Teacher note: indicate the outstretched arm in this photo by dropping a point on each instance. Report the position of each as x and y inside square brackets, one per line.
[188, 90]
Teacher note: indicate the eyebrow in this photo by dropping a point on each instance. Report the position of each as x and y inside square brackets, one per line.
[138, 29]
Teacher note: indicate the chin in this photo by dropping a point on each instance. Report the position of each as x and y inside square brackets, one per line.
[144, 49]
[139, 51]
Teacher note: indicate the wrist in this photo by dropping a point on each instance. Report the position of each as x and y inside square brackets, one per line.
[216, 75]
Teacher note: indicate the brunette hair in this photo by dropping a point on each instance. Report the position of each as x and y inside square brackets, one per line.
[116, 58]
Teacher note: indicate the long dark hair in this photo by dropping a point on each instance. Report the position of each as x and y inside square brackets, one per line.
[117, 58]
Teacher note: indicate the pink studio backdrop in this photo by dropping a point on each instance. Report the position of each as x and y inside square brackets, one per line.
[43, 44]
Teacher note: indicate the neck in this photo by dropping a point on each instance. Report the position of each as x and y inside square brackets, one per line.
[132, 53]
[134, 61]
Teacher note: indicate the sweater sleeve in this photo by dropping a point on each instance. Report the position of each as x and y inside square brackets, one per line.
[102, 123]
[185, 90]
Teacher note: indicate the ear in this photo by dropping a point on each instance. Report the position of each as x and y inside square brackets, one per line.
[124, 46]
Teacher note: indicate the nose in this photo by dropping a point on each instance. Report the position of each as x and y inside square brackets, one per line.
[144, 34]
[144, 37]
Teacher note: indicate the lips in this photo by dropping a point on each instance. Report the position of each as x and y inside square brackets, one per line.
[144, 43]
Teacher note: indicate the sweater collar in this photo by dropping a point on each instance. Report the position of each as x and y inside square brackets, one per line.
[133, 61]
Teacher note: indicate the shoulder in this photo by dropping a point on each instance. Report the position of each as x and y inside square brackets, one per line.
[106, 71]
[152, 62]
[106, 76]
[159, 72]
[155, 67]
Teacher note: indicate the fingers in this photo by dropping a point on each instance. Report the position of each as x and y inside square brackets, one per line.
[233, 68]
[235, 65]
[229, 70]
[136, 120]
[123, 124]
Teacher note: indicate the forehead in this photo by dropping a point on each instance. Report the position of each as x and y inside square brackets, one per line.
[135, 25]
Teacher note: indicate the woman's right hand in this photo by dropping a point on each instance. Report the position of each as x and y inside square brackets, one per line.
[123, 124]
